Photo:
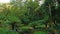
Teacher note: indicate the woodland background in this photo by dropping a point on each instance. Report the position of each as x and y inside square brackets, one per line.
[30, 17]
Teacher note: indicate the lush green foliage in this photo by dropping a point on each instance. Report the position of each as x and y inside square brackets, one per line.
[29, 17]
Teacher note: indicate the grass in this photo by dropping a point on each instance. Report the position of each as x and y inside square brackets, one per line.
[5, 31]
[39, 32]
